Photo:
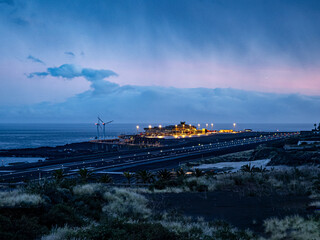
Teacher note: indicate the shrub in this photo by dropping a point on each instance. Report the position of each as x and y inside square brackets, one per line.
[119, 230]
[192, 185]
[125, 203]
[22, 228]
[88, 189]
[59, 233]
[200, 229]
[17, 198]
[61, 214]
[292, 227]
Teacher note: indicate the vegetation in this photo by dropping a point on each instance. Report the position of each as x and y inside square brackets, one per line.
[164, 175]
[66, 209]
[144, 176]
[58, 175]
[85, 174]
[128, 176]
[90, 208]
[106, 179]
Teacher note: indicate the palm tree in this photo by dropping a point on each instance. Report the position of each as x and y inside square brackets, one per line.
[58, 175]
[198, 173]
[181, 173]
[145, 176]
[246, 168]
[85, 174]
[164, 175]
[315, 126]
[106, 179]
[128, 176]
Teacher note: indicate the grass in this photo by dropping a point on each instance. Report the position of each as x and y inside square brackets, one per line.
[18, 198]
[292, 227]
[125, 203]
[88, 189]
[63, 210]
[292, 181]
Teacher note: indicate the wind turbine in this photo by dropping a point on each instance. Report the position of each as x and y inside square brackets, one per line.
[101, 122]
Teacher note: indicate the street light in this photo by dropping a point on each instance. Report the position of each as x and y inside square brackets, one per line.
[150, 126]
[137, 128]
[212, 126]
[160, 126]
[198, 125]
[206, 125]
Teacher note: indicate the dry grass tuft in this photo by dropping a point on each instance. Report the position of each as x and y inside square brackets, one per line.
[125, 203]
[18, 198]
[292, 227]
[88, 189]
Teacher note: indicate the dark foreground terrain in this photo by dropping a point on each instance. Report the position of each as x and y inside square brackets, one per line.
[241, 211]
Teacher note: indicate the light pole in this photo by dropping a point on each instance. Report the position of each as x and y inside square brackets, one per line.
[199, 126]
[137, 128]
[234, 126]
[212, 126]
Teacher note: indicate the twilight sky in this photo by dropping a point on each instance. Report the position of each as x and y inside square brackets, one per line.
[153, 61]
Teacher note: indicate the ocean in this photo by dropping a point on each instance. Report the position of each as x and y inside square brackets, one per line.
[37, 135]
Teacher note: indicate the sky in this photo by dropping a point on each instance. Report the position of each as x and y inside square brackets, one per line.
[249, 61]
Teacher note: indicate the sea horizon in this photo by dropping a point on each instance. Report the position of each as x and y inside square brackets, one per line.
[33, 135]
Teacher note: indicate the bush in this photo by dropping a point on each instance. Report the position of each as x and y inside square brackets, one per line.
[61, 214]
[117, 230]
[192, 185]
[202, 188]
[88, 189]
[23, 228]
[292, 227]
[17, 198]
[124, 203]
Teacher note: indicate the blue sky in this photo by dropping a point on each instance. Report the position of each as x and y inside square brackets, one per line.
[153, 61]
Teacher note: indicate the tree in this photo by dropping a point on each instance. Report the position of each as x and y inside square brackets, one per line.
[145, 176]
[246, 168]
[106, 179]
[85, 174]
[128, 176]
[319, 127]
[164, 175]
[315, 126]
[181, 173]
[58, 175]
[198, 173]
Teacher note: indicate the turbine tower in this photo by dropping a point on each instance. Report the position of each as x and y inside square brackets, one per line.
[101, 125]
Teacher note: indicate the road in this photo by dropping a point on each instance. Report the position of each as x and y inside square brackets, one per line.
[148, 159]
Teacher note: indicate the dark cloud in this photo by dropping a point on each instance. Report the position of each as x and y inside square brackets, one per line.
[9, 2]
[34, 59]
[71, 54]
[38, 74]
[161, 104]
[158, 104]
[70, 71]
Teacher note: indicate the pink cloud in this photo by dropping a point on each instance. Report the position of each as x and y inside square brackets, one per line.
[279, 79]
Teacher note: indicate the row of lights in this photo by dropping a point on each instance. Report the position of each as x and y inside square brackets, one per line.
[160, 126]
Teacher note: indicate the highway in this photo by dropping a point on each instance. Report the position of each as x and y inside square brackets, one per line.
[149, 158]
